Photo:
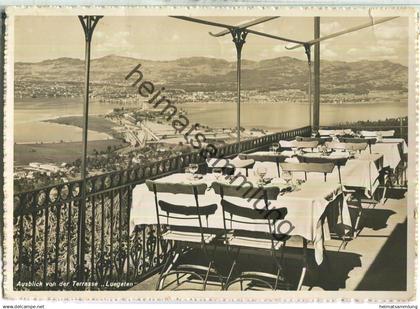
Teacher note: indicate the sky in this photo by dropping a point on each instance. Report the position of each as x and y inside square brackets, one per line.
[39, 38]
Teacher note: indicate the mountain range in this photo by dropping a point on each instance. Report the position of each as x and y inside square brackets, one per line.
[210, 74]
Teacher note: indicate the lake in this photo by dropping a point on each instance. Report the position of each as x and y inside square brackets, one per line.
[29, 115]
[29, 126]
[283, 116]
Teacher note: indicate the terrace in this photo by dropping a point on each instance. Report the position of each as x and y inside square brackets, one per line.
[102, 231]
[46, 231]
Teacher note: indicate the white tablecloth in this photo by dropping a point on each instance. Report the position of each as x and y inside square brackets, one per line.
[305, 208]
[390, 151]
[361, 173]
[397, 140]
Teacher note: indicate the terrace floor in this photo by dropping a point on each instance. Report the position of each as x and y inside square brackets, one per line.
[375, 260]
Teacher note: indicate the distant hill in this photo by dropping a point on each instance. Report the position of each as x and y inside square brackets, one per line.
[210, 74]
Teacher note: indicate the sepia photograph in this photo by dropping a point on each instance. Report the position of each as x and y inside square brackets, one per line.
[210, 153]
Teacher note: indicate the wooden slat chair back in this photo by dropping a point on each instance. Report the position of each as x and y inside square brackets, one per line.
[306, 144]
[339, 162]
[358, 140]
[347, 146]
[325, 168]
[266, 158]
[387, 133]
[320, 140]
[258, 213]
[186, 212]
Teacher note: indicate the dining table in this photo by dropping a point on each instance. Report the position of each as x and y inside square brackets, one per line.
[357, 170]
[306, 205]
[380, 142]
[363, 172]
[392, 150]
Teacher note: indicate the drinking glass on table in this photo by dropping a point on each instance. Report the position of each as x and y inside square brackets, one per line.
[188, 173]
[324, 150]
[261, 172]
[217, 172]
[193, 168]
[288, 176]
[275, 147]
[295, 149]
[379, 137]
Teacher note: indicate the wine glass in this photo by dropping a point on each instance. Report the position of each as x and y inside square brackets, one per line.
[275, 147]
[379, 137]
[217, 172]
[294, 150]
[261, 172]
[324, 149]
[189, 173]
[288, 176]
[194, 169]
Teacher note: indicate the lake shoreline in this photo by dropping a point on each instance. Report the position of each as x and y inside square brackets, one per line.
[58, 152]
[50, 121]
[26, 101]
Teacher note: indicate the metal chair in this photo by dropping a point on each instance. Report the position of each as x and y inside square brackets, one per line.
[401, 169]
[394, 178]
[236, 238]
[184, 238]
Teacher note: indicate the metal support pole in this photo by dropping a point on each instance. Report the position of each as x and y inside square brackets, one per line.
[88, 24]
[308, 55]
[238, 36]
[317, 71]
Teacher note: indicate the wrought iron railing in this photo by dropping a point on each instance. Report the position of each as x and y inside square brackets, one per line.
[46, 227]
